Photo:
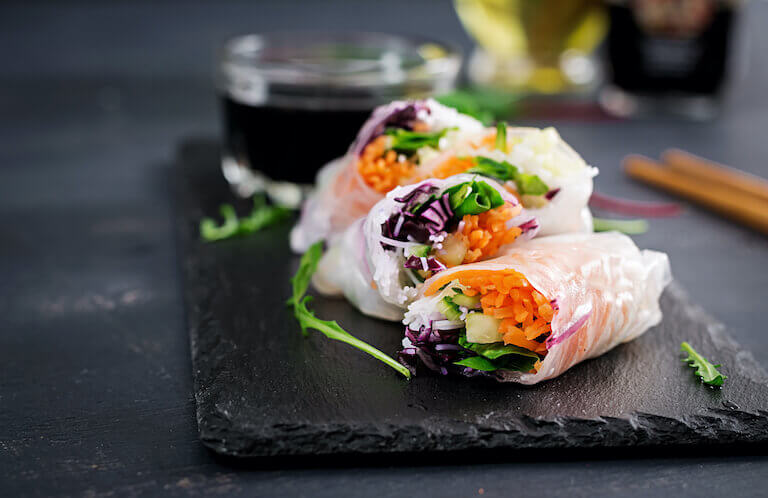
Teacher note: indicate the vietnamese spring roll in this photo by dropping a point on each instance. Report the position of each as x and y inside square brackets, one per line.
[537, 310]
[551, 180]
[388, 151]
[415, 232]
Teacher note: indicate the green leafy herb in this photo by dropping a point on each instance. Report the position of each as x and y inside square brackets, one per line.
[473, 197]
[704, 369]
[307, 266]
[502, 356]
[329, 328]
[629, 227]
[261, 216]
[485, 104]
[478, 363]
[501, 136]
[527, 184]
[410, 141]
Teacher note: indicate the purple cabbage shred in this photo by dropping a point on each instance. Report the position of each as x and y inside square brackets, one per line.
[398, 114]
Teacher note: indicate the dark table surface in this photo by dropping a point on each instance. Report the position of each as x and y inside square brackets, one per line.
[95, 384]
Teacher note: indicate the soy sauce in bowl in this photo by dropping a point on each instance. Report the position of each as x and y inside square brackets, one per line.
[291, 102]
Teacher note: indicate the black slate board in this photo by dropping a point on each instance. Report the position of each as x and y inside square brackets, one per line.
[263, 389]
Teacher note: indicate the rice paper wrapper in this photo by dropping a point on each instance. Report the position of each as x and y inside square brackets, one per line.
[345, 269]
[372, 278]
[606, 289]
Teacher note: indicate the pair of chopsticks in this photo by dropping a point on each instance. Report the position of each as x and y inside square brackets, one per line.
[735, 194]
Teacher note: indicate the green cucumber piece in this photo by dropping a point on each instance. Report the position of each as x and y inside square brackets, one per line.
[421, 251]
[451, 310]
[482, 329]
[467, 301]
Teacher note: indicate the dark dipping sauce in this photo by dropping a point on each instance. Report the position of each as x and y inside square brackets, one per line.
[289, 144]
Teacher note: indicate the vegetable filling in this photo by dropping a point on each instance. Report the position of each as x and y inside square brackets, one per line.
[438, 230]
[485, 321]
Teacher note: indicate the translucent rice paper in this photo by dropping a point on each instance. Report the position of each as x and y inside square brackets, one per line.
[544, 153]
[341, 196]
[372, 279]
[603, 277]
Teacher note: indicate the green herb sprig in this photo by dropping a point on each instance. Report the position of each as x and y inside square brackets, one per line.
[704, 369]
[261, 216]
[628, 227]
[501, 136]
[330, 328]
[526, 183]
[473, 198]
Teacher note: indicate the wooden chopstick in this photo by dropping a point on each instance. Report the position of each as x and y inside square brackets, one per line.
[698, 167]
[749, 210]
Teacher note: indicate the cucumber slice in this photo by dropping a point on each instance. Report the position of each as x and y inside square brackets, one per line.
[447, 307]
[483, 329]
[467, 301]
[418, 251]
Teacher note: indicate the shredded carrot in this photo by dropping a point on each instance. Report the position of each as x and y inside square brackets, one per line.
[453, 166]
[526, 314]
[380, 168]
[485, 233]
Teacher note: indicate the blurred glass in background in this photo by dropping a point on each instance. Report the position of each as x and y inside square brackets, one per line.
[668, 56]
[534, 46]
[293, 101]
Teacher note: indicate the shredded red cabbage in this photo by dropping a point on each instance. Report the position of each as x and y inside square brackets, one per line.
[529, 225]
[635, 208]
[398, 114]
[551, 340]
[423, 214]
[437, 350]
[552, 193]
[417, 263]
[416, 194]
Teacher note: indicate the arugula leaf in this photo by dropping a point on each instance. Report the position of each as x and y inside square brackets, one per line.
[629, 227]
[330, 328]
[473, 198]
[704, 369]
[307, 267]
[478, 363]
[501, 136]
[527, 184]
[411, 141]
[261, 216]
[210, 231]
[485, 104]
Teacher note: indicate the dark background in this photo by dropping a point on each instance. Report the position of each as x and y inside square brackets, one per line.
[95, 384]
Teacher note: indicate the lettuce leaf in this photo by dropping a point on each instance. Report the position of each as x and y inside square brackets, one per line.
[498, 356]
[527, 184]
[410, 141]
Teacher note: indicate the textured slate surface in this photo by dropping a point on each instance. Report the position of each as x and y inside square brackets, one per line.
[262, 389]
